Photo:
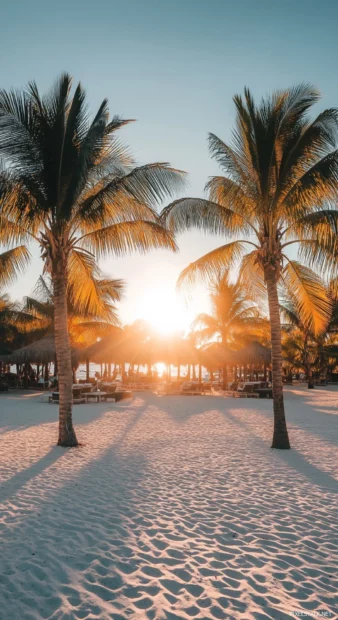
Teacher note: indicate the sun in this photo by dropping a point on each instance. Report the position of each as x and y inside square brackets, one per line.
[164, 310]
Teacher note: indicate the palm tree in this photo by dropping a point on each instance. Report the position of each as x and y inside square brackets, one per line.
[233, 315]
[70, 184]
[12, 262]
[280, 171]
[307, 346]
[92, 313]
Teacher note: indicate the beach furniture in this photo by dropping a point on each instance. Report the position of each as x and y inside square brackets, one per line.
[54, 397]
[119, 395]
[246, 390]
[3, 385]
[193, 388]
[167, 389]
[95, 396]
[78, 398]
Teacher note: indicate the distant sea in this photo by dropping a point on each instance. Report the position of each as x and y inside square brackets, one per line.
[93, 368]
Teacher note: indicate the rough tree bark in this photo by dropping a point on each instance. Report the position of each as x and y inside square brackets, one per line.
[67, 436]
[280, 432]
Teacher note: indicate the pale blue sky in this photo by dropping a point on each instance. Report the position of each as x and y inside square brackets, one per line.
[174, 66]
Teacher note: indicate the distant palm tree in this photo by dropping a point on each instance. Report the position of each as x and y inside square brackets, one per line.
[279, 171]
[233, 313]
[8, 314]
[14, 321]
[302, 342]
[71, 185]
[233, 317]
[12, 262]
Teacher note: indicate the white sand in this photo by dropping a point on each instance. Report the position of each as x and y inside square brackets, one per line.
[174, 508]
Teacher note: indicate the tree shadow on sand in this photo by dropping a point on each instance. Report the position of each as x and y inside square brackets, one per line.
[293, 458]
[85, 526]
[20, 479]
[16, 482]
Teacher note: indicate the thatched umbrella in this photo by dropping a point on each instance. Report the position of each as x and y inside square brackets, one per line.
[254, 353]
[217, 355]
[173, 350]
[125, 347]
[38, 352]
[117, 348]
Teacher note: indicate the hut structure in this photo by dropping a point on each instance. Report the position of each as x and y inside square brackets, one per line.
[123, 348]
[41, 352]
[248, 363]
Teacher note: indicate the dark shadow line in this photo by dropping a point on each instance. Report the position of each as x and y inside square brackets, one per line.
[294, 459]
[16, 482]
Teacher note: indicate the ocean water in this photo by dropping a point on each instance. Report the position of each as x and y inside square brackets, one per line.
[93, 368]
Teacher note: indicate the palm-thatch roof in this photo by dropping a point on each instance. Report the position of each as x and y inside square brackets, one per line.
[116, 348]
[38, 352]
[254, 353]
[173, 350]
[216, 355]
[126, 347]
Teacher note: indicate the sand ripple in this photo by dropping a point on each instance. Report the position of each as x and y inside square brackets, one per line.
[175, 508]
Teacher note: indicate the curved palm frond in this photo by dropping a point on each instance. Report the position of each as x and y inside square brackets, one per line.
[310, 296]
[251, 276]
[316, 235]
[210, 217]
[125, 237]
[91, 298]
[119, 196]
[209, 266]
[12, 263]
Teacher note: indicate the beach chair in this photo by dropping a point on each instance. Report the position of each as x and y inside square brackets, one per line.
[192, 388]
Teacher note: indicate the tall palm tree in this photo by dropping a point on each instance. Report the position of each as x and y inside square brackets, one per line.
[279, 173]
[72, 186]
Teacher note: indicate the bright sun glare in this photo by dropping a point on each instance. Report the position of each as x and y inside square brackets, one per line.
[164, 310]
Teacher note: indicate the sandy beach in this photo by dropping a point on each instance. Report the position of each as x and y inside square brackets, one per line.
[173, 508]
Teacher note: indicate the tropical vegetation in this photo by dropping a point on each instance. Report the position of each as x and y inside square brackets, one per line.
[234, 316]
[280, 172]
[68, 184]
[71, 186]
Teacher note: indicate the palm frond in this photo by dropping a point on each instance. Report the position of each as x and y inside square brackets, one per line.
[120, 197]
[12, 263]
[210, 217]
[251, 276]
[316, 234]
[39, 309]
[89, 295]
[209, 266]
[125, 237]
[310, 296]
[316, 186]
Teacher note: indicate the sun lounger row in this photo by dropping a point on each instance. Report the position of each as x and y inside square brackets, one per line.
[88, 393]
[187, 388]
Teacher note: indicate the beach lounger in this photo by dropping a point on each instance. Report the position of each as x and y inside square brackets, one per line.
[119, 395]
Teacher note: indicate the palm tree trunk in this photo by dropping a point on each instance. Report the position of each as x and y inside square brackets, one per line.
[225, 377]
[67, 437]
[280, 432]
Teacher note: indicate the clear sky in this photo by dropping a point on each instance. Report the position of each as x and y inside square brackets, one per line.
[174, 66]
